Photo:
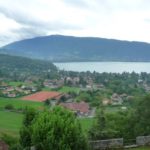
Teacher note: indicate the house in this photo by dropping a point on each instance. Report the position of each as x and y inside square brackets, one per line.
[11, 95]
[81, 109]
[10, 89]
[116, 99]
[106, 101]
[124, 108]
[53, 83]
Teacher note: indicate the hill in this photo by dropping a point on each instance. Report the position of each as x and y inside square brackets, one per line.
[16, 65]
[69, 48]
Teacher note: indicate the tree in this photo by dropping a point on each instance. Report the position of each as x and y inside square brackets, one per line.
[56, 129]
[59, 130]
[26, 130]
[141, 117]
[100, 130]
[47, 102]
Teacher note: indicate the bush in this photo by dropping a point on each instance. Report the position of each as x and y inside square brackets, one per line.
[9, 107]
[57, 129]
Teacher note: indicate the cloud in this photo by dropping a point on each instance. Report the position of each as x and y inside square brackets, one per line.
[77, 3]
[32, 26]
[125, 19]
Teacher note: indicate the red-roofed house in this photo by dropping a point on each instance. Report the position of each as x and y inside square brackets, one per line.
[81, 108]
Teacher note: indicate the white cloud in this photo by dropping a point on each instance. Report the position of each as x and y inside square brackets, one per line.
[120, 19]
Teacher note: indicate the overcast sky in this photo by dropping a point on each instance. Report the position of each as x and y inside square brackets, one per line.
[118, 19]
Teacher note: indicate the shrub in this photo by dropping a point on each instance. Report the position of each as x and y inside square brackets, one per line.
[9, 107]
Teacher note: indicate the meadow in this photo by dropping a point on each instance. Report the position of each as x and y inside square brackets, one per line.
[18, 83]
[18, 103]
[64, 89]
[10, 122]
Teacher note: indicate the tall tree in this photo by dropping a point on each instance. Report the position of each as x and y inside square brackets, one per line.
[57, 129]
[26, 130]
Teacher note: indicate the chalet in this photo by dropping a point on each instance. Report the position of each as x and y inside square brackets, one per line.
[81, 109]
[116, 99]
[89, 87]
[10, 89]
[124, 108]
[53, 83]
[106, 101]
[18, 89]
[11, 95]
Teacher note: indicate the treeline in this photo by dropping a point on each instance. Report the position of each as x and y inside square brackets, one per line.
[15, 67]
[129, 83]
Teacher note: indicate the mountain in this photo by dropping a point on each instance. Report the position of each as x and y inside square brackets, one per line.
[69, 48]
[16, 65]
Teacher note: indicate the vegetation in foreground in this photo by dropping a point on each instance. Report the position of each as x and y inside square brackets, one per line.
[50, 125]
[55, 129]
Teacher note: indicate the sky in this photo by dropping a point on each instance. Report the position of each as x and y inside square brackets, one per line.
[115, 19]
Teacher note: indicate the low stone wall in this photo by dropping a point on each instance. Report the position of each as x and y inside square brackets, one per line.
[143, 140]
[105, 144]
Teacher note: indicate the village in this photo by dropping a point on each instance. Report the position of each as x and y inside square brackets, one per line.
[81, 97]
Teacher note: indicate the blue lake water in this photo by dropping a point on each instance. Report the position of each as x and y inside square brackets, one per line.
[114, 67]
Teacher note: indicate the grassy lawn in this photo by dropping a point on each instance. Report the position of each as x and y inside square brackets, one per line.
[17, 103]
[113, 108]
[46, 89]
[86, 124]
[10, 122]
[66, 89]
[17, 83]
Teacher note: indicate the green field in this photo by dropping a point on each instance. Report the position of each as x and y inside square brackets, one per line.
[86, 124]
[17, 103]
[66, 89]
[10, 122]
[17, 83]
[46, 89]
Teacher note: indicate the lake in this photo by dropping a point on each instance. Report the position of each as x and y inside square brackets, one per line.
[114, 67]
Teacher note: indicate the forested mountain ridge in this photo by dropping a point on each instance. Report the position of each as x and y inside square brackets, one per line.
[10, 65]
[69, 48]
